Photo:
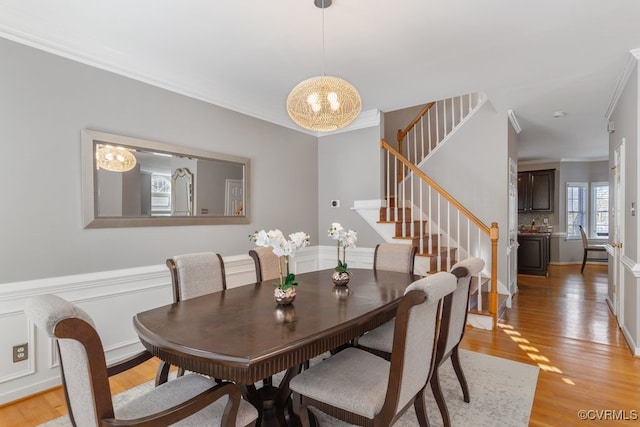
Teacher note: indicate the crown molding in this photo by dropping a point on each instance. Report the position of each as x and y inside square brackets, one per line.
[632, 61]
[514, 121]
[116, 63]
[366, 119]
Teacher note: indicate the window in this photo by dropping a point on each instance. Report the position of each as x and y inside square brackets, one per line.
[160, 194]
[600, 209]
[576, 208]
[588, 209]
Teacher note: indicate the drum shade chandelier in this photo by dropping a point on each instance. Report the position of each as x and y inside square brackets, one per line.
[323, 103]
[114, 158]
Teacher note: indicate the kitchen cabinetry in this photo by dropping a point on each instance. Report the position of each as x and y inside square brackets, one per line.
[536, 191]
[534, 253]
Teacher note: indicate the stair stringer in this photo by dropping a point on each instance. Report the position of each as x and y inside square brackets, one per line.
[369, 210]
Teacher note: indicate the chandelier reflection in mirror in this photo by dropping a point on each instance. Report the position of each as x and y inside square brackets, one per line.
[114, 158]
[323, 103]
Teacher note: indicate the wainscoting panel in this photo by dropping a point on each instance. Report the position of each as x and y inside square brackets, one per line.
[112, 298]
[15, 330]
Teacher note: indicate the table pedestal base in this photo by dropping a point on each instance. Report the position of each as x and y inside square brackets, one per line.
[274, 403]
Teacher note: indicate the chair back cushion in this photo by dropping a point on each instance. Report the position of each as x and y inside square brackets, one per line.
[394, 257]
[199, 274]
[46, 311]
[266, 263]
[421, 334]
[585, 242]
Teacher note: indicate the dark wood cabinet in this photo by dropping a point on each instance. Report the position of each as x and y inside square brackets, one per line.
[534, 254]
[536, 191]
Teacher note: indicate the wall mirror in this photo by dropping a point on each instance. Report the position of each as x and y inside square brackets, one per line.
[131, 182]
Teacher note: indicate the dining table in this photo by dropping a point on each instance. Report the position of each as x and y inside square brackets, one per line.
[243, 335]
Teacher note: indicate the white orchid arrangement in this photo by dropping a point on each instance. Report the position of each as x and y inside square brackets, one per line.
[283, 249]
[345, 239]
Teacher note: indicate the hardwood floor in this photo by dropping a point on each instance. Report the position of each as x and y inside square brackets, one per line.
[560, 323]
[51, 404]
[563, 324]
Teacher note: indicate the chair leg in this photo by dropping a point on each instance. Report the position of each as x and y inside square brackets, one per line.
[437, 394]
[584, 260]
[162, 376]
[457, 367]
[421, 410]
[252, 396]
[301, 410]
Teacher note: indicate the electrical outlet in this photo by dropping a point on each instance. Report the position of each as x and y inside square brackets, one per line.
[20, 352]
[545, 221]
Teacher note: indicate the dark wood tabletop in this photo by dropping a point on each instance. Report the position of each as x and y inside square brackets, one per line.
[243, 335]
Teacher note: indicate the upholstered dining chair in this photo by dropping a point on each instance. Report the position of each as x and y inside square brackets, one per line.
[589, 248]
[361, 388]
[394, 257]
[266, 263]
[193, 275]
[391, 257]
[191, 400]
[196, 274]
[454, 319]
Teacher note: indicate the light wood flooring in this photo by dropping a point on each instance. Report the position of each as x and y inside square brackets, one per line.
[563, 324]
[560, 323]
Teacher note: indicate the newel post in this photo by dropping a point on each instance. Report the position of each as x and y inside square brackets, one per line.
[493, 294]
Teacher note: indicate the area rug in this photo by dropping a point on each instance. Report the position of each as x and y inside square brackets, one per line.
[501, 395]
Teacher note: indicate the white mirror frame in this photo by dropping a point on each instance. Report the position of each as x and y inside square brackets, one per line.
[89, 180]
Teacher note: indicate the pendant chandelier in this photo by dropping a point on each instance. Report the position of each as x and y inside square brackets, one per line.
[323, 103]
[114, 158]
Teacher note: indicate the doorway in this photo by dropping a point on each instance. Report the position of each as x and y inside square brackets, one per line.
[617, 214]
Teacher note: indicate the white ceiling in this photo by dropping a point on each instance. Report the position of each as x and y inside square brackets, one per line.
[532, 57]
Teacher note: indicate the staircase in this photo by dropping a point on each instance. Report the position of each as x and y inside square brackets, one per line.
[434, 256]
[417, 211]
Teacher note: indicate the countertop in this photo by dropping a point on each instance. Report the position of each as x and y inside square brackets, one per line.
[534, 233]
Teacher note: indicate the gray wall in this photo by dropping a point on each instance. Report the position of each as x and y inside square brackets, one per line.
[479, 178]
[397, 120]
[45, 102]
[348, 170]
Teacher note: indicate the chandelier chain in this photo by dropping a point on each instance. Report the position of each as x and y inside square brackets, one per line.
[323, 47]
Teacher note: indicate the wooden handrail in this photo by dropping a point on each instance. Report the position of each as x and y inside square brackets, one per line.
[481, 225]
[403, 132]
[492, 232]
